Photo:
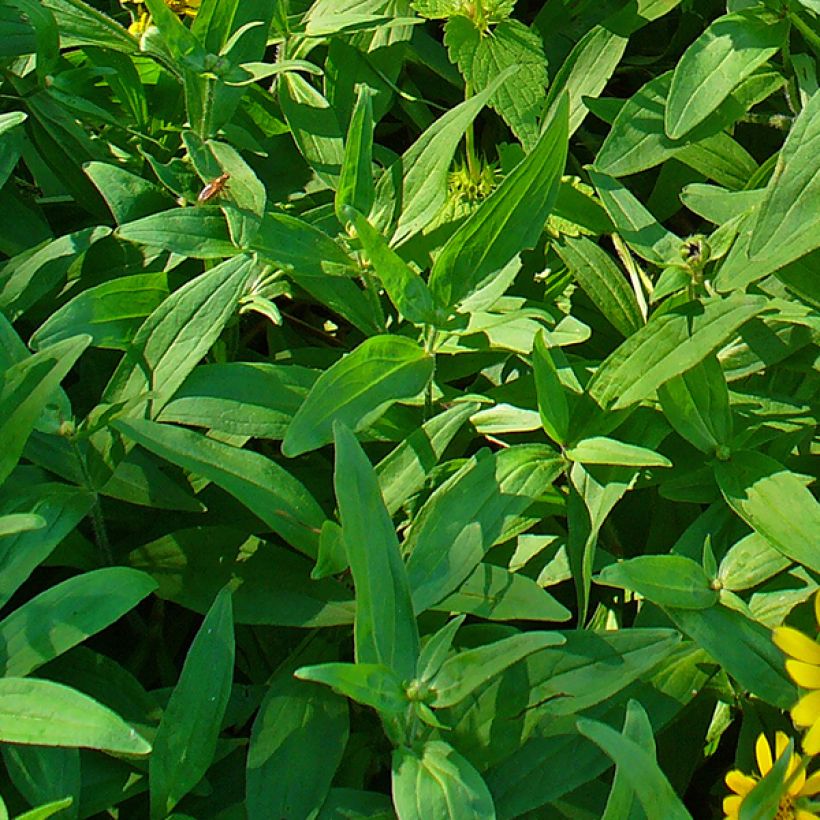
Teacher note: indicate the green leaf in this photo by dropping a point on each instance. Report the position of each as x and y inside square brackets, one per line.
[407, 290]
[385, 629]
[463, 673]
[130, 197]
[602, 281]
[66, 614]
[297, 741]
[109, 313]
[553, 407]
[356, 189]
[50, 714]
[742, 647]
[482, 56]
[186, 739]
[669, 344]
[196, 232]
[789, 216]
[272, 584]
[314, 126]
[667, 580]
[510, 220]
[265, 488]
[774, 502]
[17, 523]
[653, 790]
[696, 403]
[413, 189]
[730, 49]
[357, 389]
[372, 684]
[82, 24]
[602, 450]
[44, 774]
[172, 340]
[436, 781]
[470, 512]
[764, 800]
[47, 810]
[25, 390]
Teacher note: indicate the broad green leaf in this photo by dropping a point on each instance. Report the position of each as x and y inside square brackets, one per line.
[553, 407]
[61, 507]
[470, 512]
[196, 232]
[66, 614]
[357, 389]
[17, 523]
[464, 672]
[789, 216]
[82, 24]
[641, 231]
[774, 502]
[406, 289]
[696, 403]
[44, 713]
[265, 488]
[297, 741]
[173, 339]
[44, 774]
[385, 629]
[667, 580]
[314, 126]
[356, 189]
[414, 188]
[25, 390]
[240, 398]
[669, 344]
[730, 49]
[637, 139]
[109, 313]
[403, 471]
[130, 197]
[372, 684]
[482, 56]
[436, 781]
[437, 648]
[742, 647]
[47, 810]
[271, 584]
[717, 204]
[510, 220]
[749, 562]
[653, 790]
[602, 450]
[187, 736]
[602, 281]
[11, 142]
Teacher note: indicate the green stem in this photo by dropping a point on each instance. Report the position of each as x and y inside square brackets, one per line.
[806, 32]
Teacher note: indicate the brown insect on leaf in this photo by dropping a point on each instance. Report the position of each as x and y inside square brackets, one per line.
[213, 189]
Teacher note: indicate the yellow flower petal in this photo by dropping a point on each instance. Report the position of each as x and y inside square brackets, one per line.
[807, 710]
[731, 806]
[739, 782]
[796, 644]
[817, 607]
[806, 675]
[763, 753]
[797, 784]
[811, 786]
[780, 743]
[802, 814]
[811, 741]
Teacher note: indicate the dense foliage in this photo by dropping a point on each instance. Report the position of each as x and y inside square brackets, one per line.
[455, 360]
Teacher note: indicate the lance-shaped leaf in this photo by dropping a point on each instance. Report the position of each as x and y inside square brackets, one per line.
[265, 488]
[727, 52]
[26, 389]
[357, 389]
[602, 281]
[510, 220]
[774, 502]
[603, 450]
[199, 233]
[372, 684]
[356, 188]
[49, 714]
[789, 216]
[186, 739]
[66, 614]
[467, 514]
[385, 629]
[669, 344]
[553, 407]
[466, 671]
[436, 781]
[406, 289]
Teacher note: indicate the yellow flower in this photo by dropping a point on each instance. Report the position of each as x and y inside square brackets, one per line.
[802, 786]
[803, 667]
